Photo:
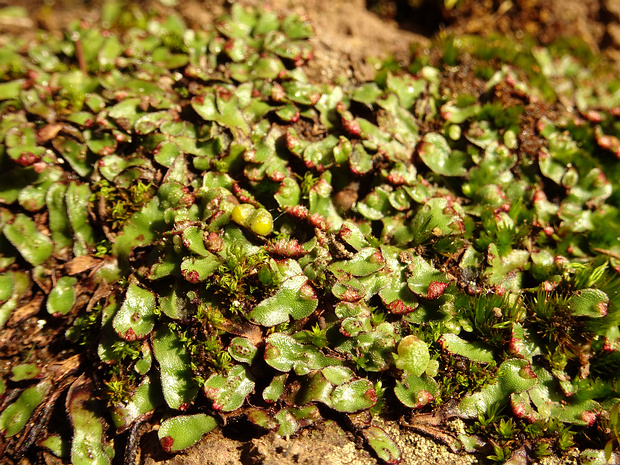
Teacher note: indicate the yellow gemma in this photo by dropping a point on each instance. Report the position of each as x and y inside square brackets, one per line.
[241, 214]
[261, 222]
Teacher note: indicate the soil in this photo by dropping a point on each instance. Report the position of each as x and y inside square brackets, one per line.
[349, 33]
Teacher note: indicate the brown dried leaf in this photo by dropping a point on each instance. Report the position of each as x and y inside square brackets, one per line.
[80, 264]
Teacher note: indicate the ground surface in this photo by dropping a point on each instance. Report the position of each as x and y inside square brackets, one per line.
[348, 32]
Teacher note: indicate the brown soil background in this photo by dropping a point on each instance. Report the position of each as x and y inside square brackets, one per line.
[348, 33]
